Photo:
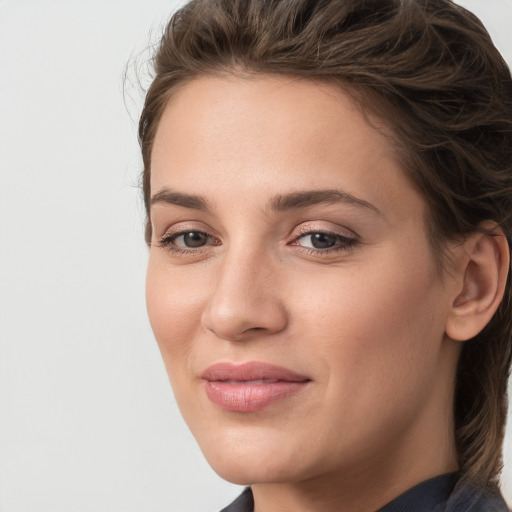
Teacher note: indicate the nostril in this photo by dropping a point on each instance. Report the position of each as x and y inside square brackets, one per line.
[238, 312]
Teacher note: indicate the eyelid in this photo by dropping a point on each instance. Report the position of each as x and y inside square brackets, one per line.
[347, 240]
[165, 241]
[183, 227]
[311, 227]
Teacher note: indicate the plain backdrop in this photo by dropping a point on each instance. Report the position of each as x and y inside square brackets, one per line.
[88, 422]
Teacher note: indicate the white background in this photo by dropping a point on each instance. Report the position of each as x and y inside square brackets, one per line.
[88, 422]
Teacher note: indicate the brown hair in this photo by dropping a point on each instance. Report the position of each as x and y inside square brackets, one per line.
[429, 69]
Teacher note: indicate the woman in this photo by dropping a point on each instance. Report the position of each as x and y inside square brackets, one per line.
[328, 190]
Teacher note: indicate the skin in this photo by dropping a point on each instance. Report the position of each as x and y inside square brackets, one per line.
[365, 320]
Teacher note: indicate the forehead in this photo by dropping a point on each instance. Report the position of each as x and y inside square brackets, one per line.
[219, 112]
[272, 133]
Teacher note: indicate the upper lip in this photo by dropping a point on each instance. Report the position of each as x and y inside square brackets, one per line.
[253, 370]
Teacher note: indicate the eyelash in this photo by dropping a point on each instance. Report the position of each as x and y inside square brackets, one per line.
[345, 243]
[167, 242]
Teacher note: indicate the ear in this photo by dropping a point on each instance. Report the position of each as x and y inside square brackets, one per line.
[484, 269]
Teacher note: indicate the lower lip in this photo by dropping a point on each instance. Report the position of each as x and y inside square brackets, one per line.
[247, 397]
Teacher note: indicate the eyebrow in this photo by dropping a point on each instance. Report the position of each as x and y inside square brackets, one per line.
[306, 198]
[279, 203]
[167, 196]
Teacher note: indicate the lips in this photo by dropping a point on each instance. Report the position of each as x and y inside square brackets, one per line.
[252, 386]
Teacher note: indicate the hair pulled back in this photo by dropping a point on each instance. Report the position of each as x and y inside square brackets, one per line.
[430, 71]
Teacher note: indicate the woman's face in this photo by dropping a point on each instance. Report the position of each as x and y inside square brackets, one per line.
[290, 285]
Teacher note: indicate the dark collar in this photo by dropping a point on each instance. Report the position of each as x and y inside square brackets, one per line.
[434, 495]
[244, 503]
[424, 497]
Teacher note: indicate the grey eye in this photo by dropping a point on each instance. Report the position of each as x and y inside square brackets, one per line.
[192, 239]
[323, 240]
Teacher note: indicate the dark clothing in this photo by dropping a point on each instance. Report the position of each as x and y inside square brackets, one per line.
[440, 494]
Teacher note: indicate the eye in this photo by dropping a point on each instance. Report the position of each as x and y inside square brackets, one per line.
[187, 241]
[322, 241]
[191, 239]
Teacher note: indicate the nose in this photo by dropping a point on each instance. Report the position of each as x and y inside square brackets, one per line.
[245, 302]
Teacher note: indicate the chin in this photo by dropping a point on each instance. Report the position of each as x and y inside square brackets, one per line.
[254, 463]
[242, 472]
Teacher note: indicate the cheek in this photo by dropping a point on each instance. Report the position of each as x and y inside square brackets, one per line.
[377, 327]
[374, 339]
[174, 304]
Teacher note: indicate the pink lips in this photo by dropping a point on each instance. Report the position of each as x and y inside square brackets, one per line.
[249, 387]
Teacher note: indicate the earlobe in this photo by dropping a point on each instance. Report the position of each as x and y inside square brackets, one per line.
[484, 271]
